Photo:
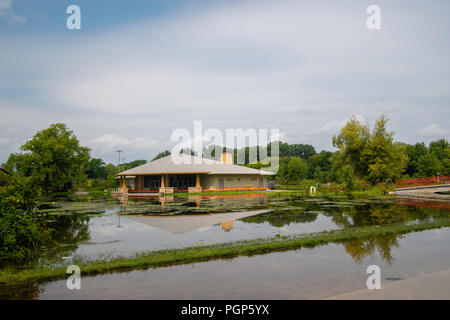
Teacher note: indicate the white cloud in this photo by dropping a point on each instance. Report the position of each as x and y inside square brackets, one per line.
[435, 130]
[17, 20]
[334, 126]
[5, 6]
[7, 13]
[296, 66]
[111, 142]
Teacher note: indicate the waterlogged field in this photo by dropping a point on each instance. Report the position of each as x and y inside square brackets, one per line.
[307, 273]
[103, 228]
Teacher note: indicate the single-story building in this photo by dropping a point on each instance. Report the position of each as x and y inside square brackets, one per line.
[193, 174]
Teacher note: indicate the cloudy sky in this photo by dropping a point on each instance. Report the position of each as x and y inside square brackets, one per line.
[137, 70]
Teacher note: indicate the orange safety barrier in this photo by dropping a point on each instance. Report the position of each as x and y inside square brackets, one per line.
[234, 189]
[204, 190]
[418, 182]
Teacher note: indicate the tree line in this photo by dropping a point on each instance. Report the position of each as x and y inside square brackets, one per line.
[55, 161]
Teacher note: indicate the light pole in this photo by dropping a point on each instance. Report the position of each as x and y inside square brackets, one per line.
[119, 152]
[119, 226]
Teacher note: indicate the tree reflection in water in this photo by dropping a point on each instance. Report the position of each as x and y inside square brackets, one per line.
[68, 231]
[362, 248]
[355, 214]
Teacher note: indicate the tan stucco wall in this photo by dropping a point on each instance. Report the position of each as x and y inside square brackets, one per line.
[208, 181]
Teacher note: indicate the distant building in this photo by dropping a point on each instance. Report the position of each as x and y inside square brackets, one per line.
[194, 174]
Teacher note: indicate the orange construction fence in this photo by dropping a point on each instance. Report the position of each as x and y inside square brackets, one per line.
[418, 182]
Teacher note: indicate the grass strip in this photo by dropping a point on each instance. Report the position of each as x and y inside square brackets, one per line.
[162, 258]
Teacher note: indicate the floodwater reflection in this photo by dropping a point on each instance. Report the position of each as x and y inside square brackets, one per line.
[313, 272]
[95, 228]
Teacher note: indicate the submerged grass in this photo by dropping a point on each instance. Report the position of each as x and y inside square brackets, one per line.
[161, 258]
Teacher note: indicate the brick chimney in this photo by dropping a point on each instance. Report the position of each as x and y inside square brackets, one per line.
[226, 157]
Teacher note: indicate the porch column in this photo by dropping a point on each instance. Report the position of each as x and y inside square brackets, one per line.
[163, 185]
[141, 182]
[166, 177]
[197, 180]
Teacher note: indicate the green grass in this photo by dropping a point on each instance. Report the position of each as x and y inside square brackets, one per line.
[163, 258]
[325, 191]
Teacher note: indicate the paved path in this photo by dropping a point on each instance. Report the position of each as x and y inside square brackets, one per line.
[425, 192]
[434, 286]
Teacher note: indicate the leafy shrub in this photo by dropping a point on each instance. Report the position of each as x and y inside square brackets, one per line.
[22, 232]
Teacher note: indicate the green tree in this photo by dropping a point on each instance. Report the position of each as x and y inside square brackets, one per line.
[303, 151]
[111, 169]
[348, 178]
[438, 148]
[96, 169]
[132, 164]
[414, 152]
[445, 163]
[161, 155]
[386, 160]
[319, 166]
[351, 142]
[372, 155]
[54, 159]
[22, 231]
[282, 174]
[4, 177]
[297, 169]
[428, 165]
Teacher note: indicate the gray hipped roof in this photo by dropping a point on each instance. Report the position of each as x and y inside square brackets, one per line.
[190, 164]
[185, 223]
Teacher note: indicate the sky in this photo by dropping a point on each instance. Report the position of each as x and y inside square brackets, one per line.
[138, 70]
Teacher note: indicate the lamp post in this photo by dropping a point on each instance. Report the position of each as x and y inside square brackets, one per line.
[119, 152]
[119, 226]
[438, 174]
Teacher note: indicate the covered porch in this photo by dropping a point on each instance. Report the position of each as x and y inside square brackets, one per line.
[162, 183]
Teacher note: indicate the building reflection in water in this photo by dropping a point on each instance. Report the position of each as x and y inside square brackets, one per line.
[227, 225]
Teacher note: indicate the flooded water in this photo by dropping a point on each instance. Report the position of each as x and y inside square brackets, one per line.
[98, 228]
[108, 228]
[307, 273]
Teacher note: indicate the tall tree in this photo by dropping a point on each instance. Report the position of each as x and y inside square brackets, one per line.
[428, 165]
[319, 166]
[54, 159]
[414, 152]
[297, 169]
[351, 142]
[386, 160]
[372, 156]
[95, 169]
[438, 148]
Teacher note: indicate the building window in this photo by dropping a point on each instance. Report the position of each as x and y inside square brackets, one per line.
[229, 179]
[152, 182]
[254, 179]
